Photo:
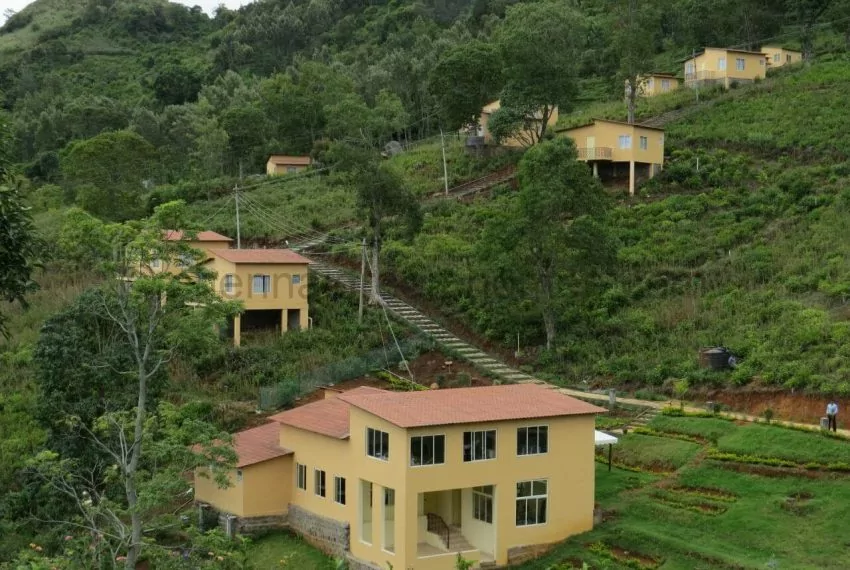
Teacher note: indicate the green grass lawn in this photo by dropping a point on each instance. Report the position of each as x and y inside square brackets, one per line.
[284, 550]
[707, 516]
[654, 453]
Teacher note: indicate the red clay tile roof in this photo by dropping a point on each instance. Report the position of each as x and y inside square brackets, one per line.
[258, 444]
[326, 417]
[260, 256]
[177, 235]
[287, 159]
[468, 405]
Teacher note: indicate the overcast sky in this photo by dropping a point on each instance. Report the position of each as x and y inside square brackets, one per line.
[207, 5]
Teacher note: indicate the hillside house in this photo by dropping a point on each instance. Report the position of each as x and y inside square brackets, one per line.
[286, 164]
[619, 151]
[524, 138]
[272, 284]
[203, 240]
[721, 66]
[413, 478]
[776, 56]
[653, 84]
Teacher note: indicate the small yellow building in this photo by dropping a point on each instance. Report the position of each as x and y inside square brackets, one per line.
[286, 164]
[271, 283]
[523, 139]
[721, 66]
[776, 56]
[413, 478]
[619, 151]
[653, 84]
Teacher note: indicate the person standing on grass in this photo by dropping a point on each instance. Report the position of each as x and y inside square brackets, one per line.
[831, 413]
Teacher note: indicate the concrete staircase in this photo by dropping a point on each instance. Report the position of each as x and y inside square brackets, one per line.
[458, 542]
[476, 186]
[642, 419]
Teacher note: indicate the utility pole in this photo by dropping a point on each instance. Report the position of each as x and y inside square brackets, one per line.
[362, 279]
[445, 168]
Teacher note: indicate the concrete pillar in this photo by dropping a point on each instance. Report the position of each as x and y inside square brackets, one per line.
[237, 330]
[631, 178]
[652, 169]
[283, 321]
[596, 169]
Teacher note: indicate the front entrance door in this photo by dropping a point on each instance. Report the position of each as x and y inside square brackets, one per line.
[293, 319]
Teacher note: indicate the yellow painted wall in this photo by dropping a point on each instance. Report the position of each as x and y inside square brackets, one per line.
[484, 119]
[228, 500]
[709, 61]
[283, 295]
[777, 57]
[652, 85]
[263, 492]
[273, 169]
[568, 467]
[607, 135]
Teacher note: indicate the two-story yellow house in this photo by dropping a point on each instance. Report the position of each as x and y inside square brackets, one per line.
[522, 139]
[652, 84]
[413, 478]
[271, 283]
[619, 151]
[776, 56]
[722, 66]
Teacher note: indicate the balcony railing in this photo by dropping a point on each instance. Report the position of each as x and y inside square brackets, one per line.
[595, 153]
[699, 75]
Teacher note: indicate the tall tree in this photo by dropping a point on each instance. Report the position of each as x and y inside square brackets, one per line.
[538, 43]
[807, 13]
[634, 44]
[555, 237]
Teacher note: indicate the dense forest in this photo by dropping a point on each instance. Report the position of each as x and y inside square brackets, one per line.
[123, 118]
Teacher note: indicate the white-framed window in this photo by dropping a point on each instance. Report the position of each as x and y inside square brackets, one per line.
[531, 499]
[644, 143]
[262, 284]
[290, 169]
[533, 440]
[229, 284]
[319, 482]
[427, 450]
[665, 85]
[650, 83]
[301, 476]
[777, 57]
[721, 64]
[238, 475]
[378, 444]
[339, 490]
[482, 503]
[156, 263]
[184, 260]
[739, 64]
[296, 280]
[690, 67]
[625, 142]
[479, 445]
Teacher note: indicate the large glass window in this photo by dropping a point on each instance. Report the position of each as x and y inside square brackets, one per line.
[301, 476]
[262, 284]
[482, 503]
[479, 445]
[721, 64]
[532, 440]
[625, 142]
[427, 450]
[531, 498]
[319, 482]
[739, 64]
[339, 490]
[644, 143]
[377, 444]
[229, 285]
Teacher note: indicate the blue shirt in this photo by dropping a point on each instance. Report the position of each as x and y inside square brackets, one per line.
[831, 409]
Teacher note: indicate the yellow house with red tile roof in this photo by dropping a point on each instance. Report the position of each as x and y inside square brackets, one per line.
[413, 478]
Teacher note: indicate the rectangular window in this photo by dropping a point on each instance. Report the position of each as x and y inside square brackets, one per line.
[339, 490]
[482, 503]
[649, 84]
[788, 58]
[479, 445]
[531, 499]
[290, 169]
[238, 475]
[156, 263]
[301, 476]
[761, 62]
[665, 85]
[721, 64]
[689, 67]
[229, 285]
[739, 64]
[296, 280]
[427, 450]
[776, 57]
[319, 482]
[625, 142]
[262, 284]
[644, 143]
[532, 440]
[377, 444]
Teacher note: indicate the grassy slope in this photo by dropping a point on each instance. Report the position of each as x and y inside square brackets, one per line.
[748, 251]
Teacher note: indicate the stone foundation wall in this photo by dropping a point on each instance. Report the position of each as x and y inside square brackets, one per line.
[357, 564]
[329, 535]
[252, 525]
[520, 554]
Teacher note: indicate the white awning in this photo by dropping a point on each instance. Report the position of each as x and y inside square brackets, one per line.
[603, 438]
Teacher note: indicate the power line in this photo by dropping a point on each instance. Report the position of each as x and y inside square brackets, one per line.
[389, 324]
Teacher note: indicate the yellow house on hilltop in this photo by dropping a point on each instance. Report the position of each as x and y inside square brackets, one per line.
[286, 164]
[413, 478]
[721, 66]
[525, 138]
[653, 84]
[776, 56]
[617, 150]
